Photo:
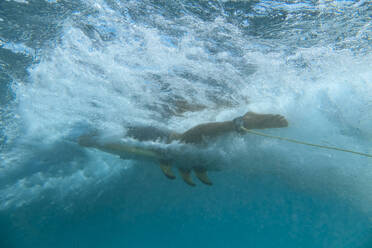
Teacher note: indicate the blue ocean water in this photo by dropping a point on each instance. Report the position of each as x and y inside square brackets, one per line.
[71, 66]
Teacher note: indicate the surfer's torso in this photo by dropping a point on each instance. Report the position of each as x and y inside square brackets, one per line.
[150, 133]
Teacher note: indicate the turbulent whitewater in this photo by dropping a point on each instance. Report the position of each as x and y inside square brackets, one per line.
[69, 67]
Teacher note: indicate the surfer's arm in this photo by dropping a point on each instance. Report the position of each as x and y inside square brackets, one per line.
[214, 129]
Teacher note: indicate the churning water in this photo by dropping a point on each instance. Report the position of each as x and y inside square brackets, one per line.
[68, 67]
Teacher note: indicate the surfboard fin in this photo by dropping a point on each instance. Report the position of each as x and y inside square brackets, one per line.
[185, 173]
[201, 174]
[167, 170]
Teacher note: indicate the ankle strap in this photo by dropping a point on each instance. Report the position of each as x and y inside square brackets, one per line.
[238, 123]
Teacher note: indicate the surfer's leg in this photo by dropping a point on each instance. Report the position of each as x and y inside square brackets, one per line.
[250, 120]
[88, 140]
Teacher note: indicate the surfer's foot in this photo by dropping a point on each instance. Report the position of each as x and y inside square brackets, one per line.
[261, 121]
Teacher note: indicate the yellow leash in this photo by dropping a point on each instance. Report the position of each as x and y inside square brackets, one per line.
[305, 143]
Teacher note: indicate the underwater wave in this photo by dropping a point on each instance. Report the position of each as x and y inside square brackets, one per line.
[70, 67]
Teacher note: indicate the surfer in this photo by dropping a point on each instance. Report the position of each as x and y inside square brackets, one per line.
[200, 134]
